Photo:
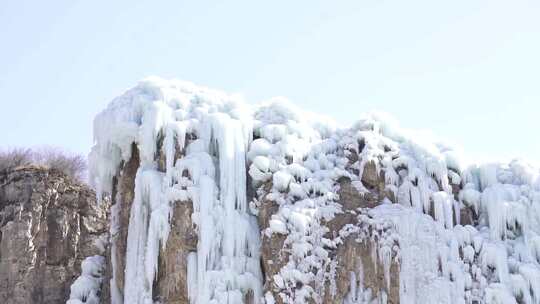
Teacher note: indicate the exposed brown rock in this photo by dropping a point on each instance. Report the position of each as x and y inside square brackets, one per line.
[171, 282]
[48, 225]
[122, 196]
[172, 273]
[272, 256]
[351, 255]
[170, 285]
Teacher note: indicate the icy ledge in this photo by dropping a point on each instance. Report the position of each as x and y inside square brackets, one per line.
[296, 160]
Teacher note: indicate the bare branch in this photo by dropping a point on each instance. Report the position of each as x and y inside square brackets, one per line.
[73, 165]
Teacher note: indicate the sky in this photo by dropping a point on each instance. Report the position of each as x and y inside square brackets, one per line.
[467, 71]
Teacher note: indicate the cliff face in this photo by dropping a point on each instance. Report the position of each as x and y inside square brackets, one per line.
[350, 260]
[216, 201]
[171, 278]
[171, 282]
[48, 225]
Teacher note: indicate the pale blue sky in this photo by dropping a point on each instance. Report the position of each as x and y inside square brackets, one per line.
[467, 70]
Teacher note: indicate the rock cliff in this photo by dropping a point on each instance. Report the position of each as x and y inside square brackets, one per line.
[215, 201]
[48, 225]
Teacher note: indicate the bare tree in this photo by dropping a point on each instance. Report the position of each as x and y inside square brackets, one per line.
[73, 165]
[15, 157]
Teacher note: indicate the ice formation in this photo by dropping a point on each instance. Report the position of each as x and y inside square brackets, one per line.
[226, 265]
[87, 287]
[233, 146]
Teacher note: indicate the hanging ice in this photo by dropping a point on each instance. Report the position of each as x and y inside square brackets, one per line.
[226, 266]
[207, 147]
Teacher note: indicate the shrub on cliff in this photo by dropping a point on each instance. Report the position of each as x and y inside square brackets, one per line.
[73, 165]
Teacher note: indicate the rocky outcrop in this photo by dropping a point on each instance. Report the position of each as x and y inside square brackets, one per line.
[48, 225]
[170, 285]
[172, 278]
[352, 258]
[216, 201]
[123, 194]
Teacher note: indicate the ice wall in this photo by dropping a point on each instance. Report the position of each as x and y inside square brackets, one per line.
[296, 160]
[212, 175]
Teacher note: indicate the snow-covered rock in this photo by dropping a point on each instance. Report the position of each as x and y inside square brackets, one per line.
[283, 206]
